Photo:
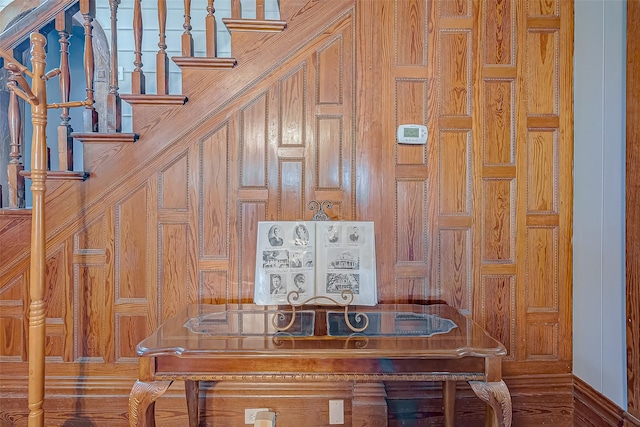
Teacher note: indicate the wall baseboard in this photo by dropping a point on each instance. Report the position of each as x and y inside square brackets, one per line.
[559, 400]
[592, 408]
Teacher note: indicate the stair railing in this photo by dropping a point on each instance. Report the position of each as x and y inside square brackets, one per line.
[61, 12]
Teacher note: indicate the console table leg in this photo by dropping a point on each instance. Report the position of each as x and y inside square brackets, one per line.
[191, 388]
[142, 402]
[496, 395]
[449, 402]
[369, 405]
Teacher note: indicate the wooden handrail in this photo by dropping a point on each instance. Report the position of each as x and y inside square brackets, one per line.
[42, 15]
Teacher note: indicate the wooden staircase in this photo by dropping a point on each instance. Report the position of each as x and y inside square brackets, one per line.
[200, 75]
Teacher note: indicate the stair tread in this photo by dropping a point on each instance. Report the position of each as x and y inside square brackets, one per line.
[153, 99]
[105, 138]
[204, 62]
[61, 175]
[258, 25]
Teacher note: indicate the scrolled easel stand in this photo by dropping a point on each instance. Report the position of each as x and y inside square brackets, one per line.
[294, 296]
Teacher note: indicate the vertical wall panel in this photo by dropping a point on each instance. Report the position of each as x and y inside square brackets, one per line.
[411, 32]
[11, 339]
[132, 330]
[13, 301]
[292, 187]
[542, 171]
[542, 269]
[131, 243]
[173, 185]
[55, 298]
[56, 284]
[329, 73]
[542, 72]
[498, 220]
[410, 214]
[498, 302]
[250, 213]
[454, 171]
[411, 289]
[173, 277]
[90, 300]
[253, 142]
[498, 114]
[542, 341]
[91, 239]
[329, 150]
[454, 246]
[499, 38]
[538, 8]
[455, 8]
[454, 73]
[293, 107]
[214, 287]
[90, 305]
[411, 107]
[214, 180]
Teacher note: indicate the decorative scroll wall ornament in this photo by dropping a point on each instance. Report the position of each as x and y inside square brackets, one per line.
[320, 214]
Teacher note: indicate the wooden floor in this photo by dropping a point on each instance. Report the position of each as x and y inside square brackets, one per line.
[552, 406]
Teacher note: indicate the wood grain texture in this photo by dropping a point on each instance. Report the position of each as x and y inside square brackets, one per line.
[475, 217]
[498, 114]
[499, 32]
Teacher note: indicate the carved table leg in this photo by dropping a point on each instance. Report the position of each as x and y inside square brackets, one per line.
[142, 402]
[369, 405]
[496, 395]
[191, 389]
[449, 400]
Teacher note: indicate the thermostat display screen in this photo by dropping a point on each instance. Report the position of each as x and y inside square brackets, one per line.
[411, 132]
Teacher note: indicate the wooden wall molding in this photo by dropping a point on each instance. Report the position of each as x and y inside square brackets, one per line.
[592, 408]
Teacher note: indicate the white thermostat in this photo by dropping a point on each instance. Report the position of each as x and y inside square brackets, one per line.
[412, 134]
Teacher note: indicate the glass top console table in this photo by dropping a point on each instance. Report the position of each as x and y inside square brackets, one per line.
[247, 343]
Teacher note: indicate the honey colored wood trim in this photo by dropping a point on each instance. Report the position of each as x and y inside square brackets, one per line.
[592, 408]
[633, 209]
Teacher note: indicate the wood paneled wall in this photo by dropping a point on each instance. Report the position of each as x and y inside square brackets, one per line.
[479, 217]
[482, 213]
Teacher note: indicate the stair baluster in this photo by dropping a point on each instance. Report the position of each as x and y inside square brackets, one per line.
[162, 60]
[65, 142]
[187, 37]
[260, 10]
[210, 31]
[137, 76]
[236, 9]
[114, 105]
[15, 179]
[88, 11]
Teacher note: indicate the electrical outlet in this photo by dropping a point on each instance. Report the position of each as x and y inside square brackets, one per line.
[336, 411]
[250, 414]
